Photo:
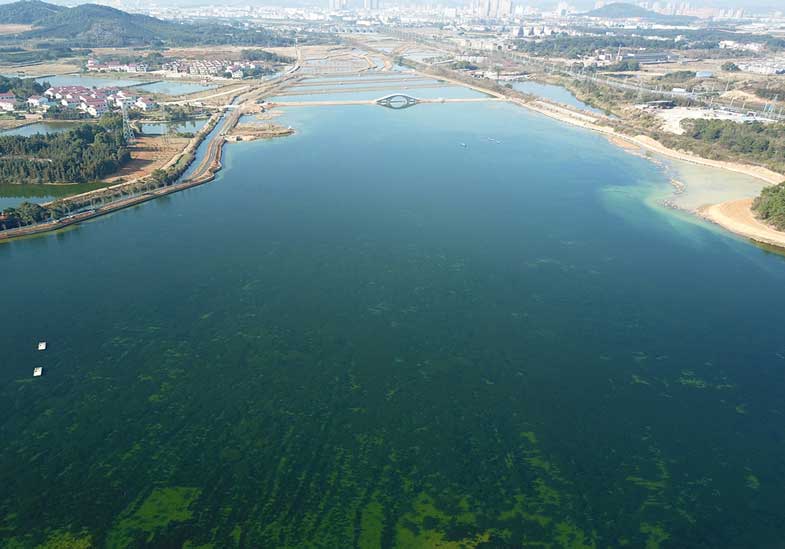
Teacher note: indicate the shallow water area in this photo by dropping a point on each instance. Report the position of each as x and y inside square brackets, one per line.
[706, 185]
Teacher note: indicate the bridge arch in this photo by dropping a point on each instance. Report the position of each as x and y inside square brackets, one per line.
[397, 101]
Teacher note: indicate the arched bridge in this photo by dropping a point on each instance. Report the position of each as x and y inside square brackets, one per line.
[397, 101]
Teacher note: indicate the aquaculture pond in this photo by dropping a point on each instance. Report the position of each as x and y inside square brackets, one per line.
[436, 92]
[454, 325]
[170, 87]
[159, 128]
[89, 81]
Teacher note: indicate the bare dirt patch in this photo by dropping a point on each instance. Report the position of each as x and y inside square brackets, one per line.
[14, 29]
[149, 154]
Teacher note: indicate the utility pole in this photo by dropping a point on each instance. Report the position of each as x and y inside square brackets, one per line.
[128, 133]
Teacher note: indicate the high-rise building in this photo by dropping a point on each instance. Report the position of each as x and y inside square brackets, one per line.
[505, 9]
[371, 5]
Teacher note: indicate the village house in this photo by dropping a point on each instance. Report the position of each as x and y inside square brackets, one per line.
[7, 101]
[144, 104]
[38, 102]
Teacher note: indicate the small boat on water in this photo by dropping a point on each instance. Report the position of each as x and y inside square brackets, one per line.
[37, 372]
[464, 145]
[42, 345]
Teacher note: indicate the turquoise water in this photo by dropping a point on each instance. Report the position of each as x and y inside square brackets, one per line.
[168, 87]
[397, 342]
[160, 128]
[555, 93]
[39, 127]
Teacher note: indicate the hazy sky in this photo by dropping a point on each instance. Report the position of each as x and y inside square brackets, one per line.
[581, 4]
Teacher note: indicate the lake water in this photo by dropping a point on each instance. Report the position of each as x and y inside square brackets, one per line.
[40, 127]
[397, 341]
[555, 93]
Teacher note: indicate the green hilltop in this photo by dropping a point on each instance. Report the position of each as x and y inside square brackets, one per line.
[27, 12]
[92, 25]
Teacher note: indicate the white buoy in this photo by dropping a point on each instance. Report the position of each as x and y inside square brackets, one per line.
[38, 371]
[42, 345]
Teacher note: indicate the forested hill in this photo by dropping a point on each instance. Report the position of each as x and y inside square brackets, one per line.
[621, 10]
[28, 12]
[92, 25]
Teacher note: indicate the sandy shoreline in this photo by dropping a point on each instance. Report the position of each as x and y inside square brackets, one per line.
[737, 217]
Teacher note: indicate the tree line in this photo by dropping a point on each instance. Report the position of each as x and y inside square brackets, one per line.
[22, 87]
[86, 153]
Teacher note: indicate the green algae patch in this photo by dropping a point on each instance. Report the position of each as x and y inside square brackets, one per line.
[572, 537]
[752, 482]
[655, 535]
[371, 526]
[162, 507]
[426, 525]
[67, 540]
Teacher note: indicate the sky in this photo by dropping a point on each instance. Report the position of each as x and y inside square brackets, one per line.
[543, 4]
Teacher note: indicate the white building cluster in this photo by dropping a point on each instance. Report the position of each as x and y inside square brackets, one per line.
[112, 66]
[95, 101]
[207, 67]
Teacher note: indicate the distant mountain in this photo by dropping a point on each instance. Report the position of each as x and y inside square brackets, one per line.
[27, 12]
[620, 10]
[92, 25]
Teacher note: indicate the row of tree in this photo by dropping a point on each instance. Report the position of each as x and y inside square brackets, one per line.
[266, 56]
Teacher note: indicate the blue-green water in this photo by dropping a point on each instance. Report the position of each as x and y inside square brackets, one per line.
[397, 341]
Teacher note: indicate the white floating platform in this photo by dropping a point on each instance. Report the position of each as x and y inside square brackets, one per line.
[42, 345]
[38, 371]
